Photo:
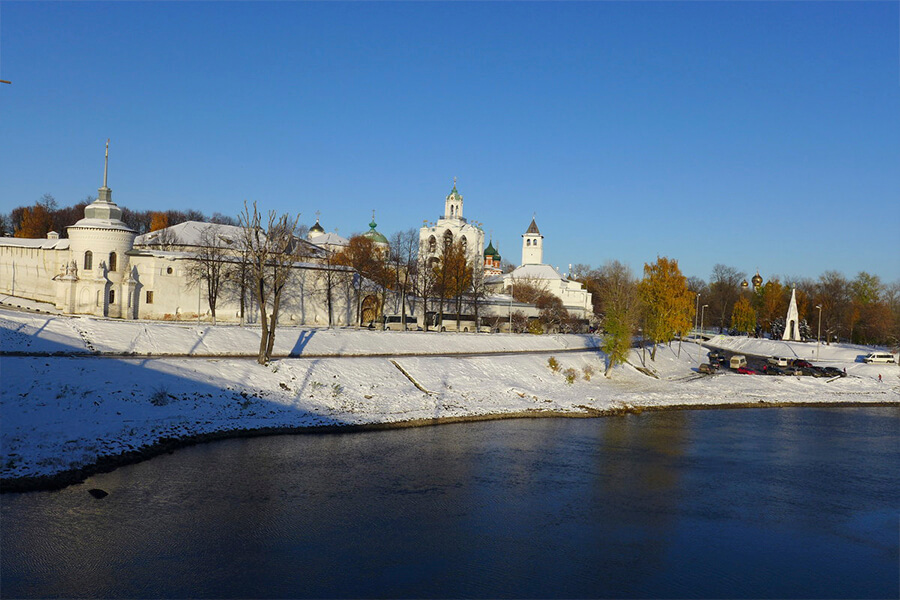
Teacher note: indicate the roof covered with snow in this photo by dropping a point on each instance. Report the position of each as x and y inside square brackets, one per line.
[536, 272]
[190, 233]
[329, 239]
[45, 243]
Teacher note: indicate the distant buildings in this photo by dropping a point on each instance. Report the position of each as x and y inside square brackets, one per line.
[105, 269]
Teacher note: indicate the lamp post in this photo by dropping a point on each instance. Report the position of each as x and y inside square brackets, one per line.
[696, 314]
[702, 313]
[819, 333]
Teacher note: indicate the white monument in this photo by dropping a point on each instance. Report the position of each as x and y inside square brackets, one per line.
[792, 322]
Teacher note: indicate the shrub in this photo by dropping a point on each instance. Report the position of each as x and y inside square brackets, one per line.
[588, 371]
[160, 396]
[535, 327]
[553, 364]
[571, 374]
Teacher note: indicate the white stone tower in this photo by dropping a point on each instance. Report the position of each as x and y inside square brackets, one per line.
[792, 322]
[450, 227]
[532, 246]
[453, 206]
[99, 243]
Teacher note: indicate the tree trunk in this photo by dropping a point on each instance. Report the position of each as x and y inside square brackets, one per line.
[264, 337]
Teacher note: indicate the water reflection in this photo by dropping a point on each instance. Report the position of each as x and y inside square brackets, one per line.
[752, 503]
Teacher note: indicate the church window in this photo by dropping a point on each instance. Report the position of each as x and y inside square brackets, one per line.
[168, 270]
[527, 242]
[432, 244]
[149, 297]
[88, 260]
[464, 242]
[448, 238]
[112, 261]
[112, 296]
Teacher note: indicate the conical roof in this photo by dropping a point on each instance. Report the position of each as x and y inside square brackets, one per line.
[533, 228]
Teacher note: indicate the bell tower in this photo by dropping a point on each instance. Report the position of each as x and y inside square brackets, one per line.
[532, 245]
[453, 207]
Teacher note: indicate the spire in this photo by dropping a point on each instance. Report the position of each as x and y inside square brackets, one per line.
[106, 163]
[104, 193]
[533, 228]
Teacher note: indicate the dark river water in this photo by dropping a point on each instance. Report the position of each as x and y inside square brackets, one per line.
[767, 503]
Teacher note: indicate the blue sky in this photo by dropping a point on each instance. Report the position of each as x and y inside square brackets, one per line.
[759, 135]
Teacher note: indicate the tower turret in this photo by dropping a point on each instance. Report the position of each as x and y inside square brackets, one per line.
[453, 207]
[532, 245]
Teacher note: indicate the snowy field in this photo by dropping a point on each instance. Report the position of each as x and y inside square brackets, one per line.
[84, 401]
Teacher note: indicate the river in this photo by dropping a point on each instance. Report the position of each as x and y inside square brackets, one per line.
[763, 503]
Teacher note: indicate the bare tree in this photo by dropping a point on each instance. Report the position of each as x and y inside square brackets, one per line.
[724, 291]
[426, 279]
[272, 252]
[403, 257]
[210, 265]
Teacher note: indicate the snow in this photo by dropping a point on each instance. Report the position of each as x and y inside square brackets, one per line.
[105, 387]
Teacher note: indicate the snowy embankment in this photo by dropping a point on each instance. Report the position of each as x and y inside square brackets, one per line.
[69, 409]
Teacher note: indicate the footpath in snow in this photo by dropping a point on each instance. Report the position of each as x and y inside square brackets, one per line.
[70, 407]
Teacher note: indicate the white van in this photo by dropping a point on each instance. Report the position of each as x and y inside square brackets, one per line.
[395, 322]
[738, 361]
[777, 361]
[879, 357]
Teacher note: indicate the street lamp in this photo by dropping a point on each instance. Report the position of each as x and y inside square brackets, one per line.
[819, 334]
[702, 313]
[696, 333]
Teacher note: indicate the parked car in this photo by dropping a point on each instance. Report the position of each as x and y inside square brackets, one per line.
[834, 372]
[818, 371]
[772, 370]
[746, 371]
[778, 361]
[737, 361]
[799, 362]
[879, 357]
[708, 368]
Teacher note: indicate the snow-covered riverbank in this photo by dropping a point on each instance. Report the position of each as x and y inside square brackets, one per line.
[72, 408]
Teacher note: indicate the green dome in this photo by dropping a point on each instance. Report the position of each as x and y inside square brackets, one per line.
[491, 252]
[373, 235]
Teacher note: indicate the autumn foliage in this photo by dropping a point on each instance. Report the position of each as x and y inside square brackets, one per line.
[667, 302]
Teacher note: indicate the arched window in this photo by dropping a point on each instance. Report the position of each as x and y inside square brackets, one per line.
[527, 242]
[448, 238]
[464, 242]
[432, 244]
[88, 260]
[112, 296]
[112, 262]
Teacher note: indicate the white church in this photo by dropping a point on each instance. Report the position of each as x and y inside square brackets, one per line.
[453, 226]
